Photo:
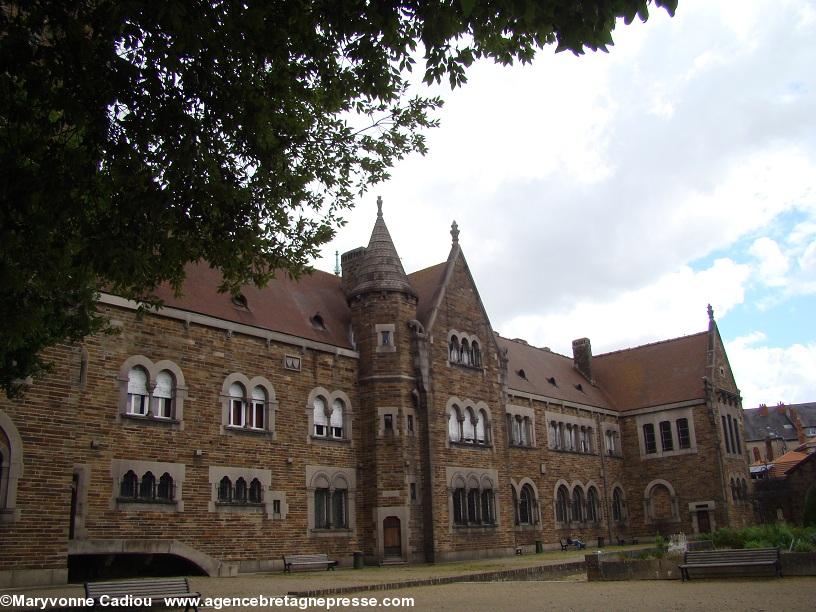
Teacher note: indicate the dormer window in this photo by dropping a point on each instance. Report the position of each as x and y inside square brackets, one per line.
[317, 322]
[239, 301]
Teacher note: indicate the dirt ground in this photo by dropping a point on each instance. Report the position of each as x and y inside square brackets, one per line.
[765, 594]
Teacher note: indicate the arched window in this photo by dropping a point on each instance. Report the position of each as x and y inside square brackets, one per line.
[554, 438]
[147, 488]
[617, 505]
[257, 417]
[255, 492]
[464, 355]
[321, 421]
[477, 354]
[734, 490]
[468, 429]
[163, 395]
[577, 505]
[481, 428]
[453, 425]
[165, 489]
[453, 350]
[339, 506]
[137, 391]
[336, 422]
[237, 413]
[473, 506]
[757, 456]
[225, 490]
[459, 506]
[129, 488]
[526, 506]
[744, 488]
[592, 505]
[488, 514]
[561, 504]
[240, 494]
[322, 500]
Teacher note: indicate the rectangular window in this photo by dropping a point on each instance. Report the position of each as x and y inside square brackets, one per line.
[731, 434]
[258, 415]
[163, 407]
[413, 491]
[388, 423]
[237, 413]
[276, 507]
[683, 436]
[725, 434]
[649, 439]
[386, 338]
[411, 423]
[666, 436]
[138, 404]
[738, 447]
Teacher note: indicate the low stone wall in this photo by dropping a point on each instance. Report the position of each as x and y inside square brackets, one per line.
[615, 567]
[625, 567]
[538, 572]
[799, 563]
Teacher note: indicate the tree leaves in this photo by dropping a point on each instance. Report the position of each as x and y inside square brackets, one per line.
[137, 137]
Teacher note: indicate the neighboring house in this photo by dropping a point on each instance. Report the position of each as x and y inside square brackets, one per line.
[772, 431]
[377, 411]
[781, 485]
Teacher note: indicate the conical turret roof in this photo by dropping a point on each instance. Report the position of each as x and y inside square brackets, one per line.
[381, 268]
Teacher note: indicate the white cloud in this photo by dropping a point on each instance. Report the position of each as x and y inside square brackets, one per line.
[672, 306]
[773, 264]
[767, 374]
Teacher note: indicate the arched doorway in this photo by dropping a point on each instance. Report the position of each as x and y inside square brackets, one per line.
[392, 537]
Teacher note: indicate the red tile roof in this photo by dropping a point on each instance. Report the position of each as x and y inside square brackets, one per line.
[654, 374]
[284, 305]
[785, 463]
[539, 365]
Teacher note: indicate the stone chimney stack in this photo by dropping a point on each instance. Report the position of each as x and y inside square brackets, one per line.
[763, 410]
[582, 358]
[350, 262]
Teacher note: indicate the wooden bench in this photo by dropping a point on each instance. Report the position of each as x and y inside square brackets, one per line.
[152, 589]
[315, 561]
[704, 560]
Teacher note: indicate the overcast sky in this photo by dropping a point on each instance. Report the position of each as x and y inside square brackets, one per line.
[615, 196]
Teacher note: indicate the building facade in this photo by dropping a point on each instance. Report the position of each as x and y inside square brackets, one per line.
[377, 411]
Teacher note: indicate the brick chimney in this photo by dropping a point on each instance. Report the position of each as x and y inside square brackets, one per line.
[793, 416]
[582, 358]
[763, 410]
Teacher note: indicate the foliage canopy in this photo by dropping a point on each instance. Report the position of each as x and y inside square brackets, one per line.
[136, 137]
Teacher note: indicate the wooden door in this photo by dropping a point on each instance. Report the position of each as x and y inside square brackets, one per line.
[703, 522]
[392, 537]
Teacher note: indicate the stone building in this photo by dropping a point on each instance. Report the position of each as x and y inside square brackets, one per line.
[377, 411]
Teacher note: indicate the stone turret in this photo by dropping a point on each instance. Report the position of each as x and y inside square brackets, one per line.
[378, 268]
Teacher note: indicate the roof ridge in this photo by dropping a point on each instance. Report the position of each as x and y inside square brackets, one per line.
[436, 265]
[640, 346]
[524, 343]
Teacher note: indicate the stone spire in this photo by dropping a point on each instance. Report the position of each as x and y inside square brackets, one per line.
[380, 268]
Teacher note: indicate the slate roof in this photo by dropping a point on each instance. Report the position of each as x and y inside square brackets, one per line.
[380, 268]
[284, 305]
[775, 424]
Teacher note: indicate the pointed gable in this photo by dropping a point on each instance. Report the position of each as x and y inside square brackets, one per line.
[654, 374]
[380, 268]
